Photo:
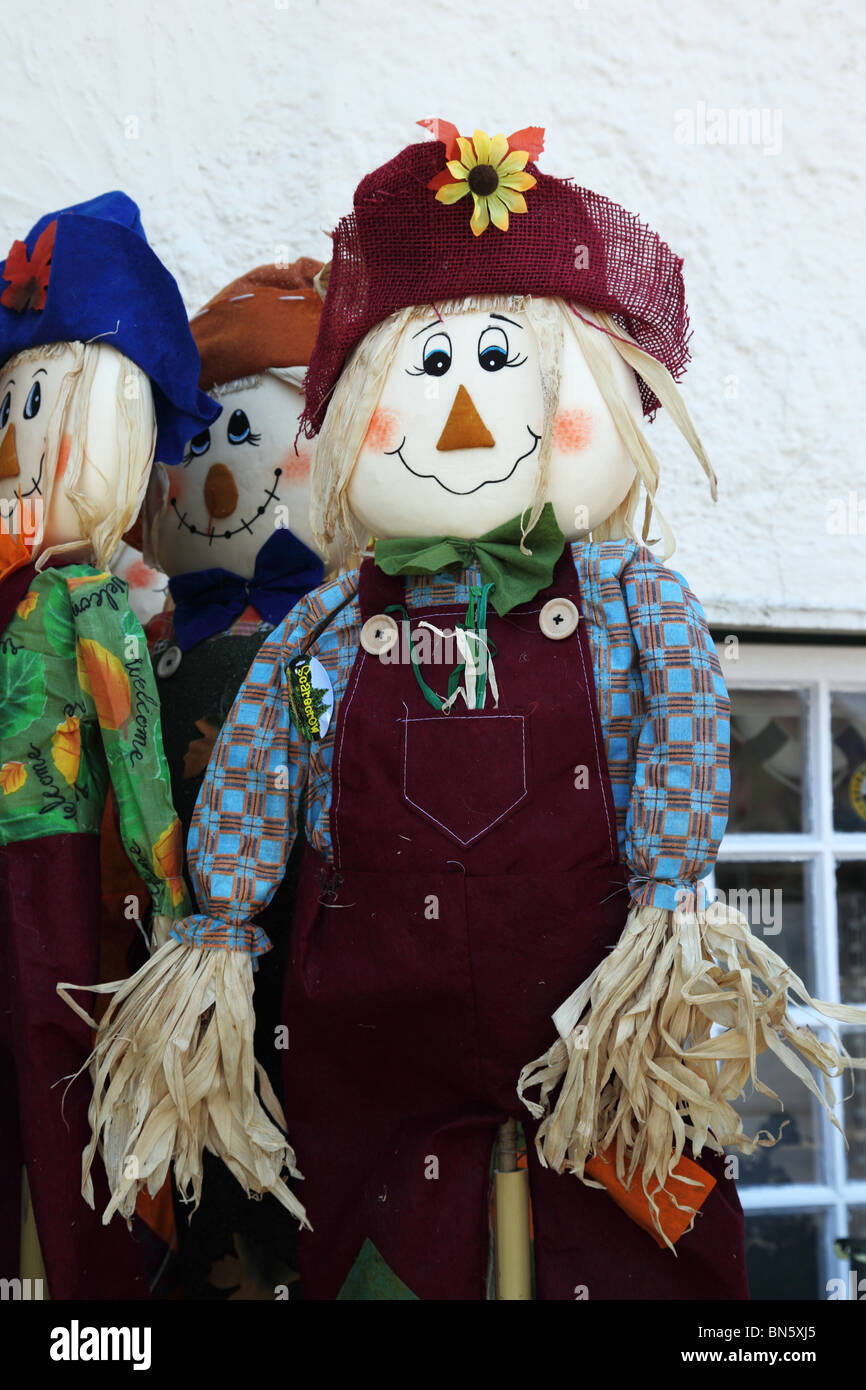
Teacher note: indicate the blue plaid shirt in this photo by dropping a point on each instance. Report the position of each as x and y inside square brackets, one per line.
[664, 714]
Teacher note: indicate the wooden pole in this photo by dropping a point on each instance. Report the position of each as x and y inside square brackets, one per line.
[511, 1195]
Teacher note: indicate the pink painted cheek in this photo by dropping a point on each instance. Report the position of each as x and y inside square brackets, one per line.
[296, 466]
[175, 484]
[572, 430]
[382, 431]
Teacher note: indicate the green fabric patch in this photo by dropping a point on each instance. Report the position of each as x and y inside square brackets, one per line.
[371, 1280]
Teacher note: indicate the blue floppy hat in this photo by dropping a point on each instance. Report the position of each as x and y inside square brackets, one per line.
[87, 273]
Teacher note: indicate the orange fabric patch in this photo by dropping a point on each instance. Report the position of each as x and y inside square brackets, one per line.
[635, 1203]
[382, 429]
[572, 430]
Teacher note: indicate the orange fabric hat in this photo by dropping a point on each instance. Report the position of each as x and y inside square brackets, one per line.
[267, 318]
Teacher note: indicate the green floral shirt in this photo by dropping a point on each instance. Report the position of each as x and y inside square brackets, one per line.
[78, 707]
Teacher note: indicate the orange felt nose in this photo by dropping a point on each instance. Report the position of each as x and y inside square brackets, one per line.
[220, 491]
[464, 428]
[8, 456]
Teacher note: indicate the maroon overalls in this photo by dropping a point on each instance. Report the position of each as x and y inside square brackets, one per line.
[476, 882]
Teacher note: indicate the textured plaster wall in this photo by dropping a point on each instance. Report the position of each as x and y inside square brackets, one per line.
[242, 128]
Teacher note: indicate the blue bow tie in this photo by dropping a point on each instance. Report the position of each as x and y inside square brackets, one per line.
[208, 601]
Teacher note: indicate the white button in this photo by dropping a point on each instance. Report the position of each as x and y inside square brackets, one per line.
[379, 634]
[558, 618]
[168, 662]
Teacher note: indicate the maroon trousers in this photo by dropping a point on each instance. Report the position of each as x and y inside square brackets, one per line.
[49, 931]
[475, 883]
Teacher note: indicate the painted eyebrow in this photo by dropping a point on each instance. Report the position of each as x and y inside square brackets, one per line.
[507, 320]
[43, 370]
[10, 381]
[426, 326]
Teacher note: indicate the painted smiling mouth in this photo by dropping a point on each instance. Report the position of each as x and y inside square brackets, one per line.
[35, 488]
[270, 494]
[458, 492]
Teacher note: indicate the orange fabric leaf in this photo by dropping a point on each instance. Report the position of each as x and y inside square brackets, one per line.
[635, 1203]
[101, 675]
[66, 749]
[444, 131]
[12, 777]
[28, 276]
[531, 139]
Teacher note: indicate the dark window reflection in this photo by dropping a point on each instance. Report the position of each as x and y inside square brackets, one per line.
[768, 760]
[855, 1109]
[848, 730]
[851, 900]
[783, 1256]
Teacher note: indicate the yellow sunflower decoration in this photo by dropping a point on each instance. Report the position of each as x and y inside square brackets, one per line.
[495, 175]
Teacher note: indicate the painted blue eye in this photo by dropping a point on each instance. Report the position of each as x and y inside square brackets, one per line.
[493, 349]
[33, 401]
[200, 443]
[437, 354]
[5, 409]
[239, 427]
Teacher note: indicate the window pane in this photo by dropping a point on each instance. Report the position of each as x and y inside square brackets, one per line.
[855, 1108]
[782, 1255]
[768, 756]
[851, 900]
[772, 897]
[796, 1157]
[848, 727]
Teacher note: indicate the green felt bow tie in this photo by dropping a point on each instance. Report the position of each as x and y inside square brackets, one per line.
[516, 576]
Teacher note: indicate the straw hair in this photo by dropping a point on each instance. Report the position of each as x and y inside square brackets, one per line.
[360, 385]
[103, 525]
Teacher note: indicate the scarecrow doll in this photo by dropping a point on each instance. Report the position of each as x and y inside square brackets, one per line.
[504, 740]
[98, 369]
[231, 525]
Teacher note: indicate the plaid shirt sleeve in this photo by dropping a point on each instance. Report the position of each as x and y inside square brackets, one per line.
[246, 815]
[679, 798]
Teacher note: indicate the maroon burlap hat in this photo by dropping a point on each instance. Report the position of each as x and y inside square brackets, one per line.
[266, 318]
[401, 246]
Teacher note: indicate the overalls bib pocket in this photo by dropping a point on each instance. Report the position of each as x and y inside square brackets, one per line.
[465, 773]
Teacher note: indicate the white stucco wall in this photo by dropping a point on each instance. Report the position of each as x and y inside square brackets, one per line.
[243, 127]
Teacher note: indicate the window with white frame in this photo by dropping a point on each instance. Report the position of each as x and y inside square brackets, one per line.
[794, 859]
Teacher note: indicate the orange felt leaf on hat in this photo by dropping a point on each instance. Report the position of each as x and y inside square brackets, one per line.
[635, 1203]
[531, 139]
[28, 276]
[444, 131]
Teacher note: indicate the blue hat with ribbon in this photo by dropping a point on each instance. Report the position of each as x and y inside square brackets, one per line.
[87, 273]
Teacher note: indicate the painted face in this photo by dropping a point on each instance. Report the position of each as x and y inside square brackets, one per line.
[28, 391]
[239, 480]
[453, 445]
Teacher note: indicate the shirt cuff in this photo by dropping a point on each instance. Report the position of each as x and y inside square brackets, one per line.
[681, 896]
[199, 930]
